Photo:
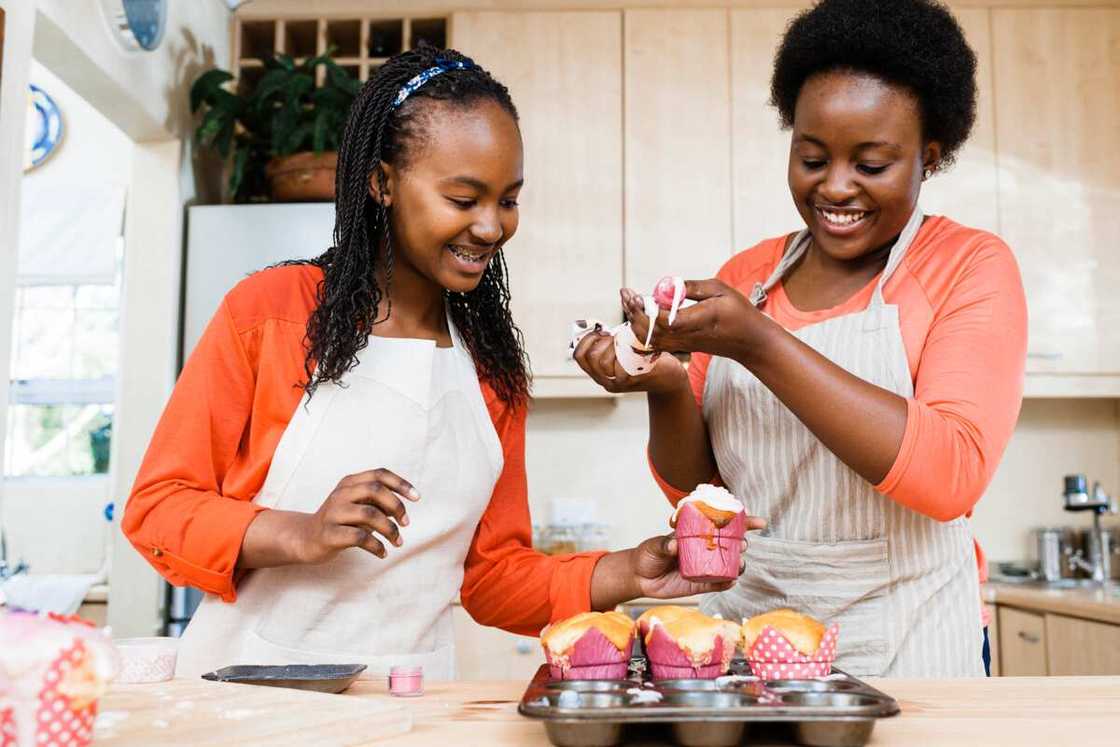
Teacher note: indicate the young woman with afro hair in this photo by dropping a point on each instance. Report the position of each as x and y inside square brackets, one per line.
[856, 382]
[344, 452]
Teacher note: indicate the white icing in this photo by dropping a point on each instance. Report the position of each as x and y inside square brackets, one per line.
[638, 695]
[712, 496]
[651, 311]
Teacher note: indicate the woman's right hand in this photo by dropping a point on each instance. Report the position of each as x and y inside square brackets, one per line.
[360, 506]
[595, 355]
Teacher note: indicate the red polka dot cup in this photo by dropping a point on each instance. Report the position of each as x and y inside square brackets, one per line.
[773, 657]
[53, 670]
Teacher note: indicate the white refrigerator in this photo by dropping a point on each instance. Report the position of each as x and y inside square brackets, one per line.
[225, 243]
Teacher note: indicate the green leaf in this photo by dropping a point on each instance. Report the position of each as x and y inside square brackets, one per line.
[237, 173]
[270, 83]
[319, 135]
[212, 123]
[223, 138]
[297, 138]
[206, 85]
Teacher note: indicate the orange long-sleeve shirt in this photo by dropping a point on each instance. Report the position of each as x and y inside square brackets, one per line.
[964, 323]
[193, 497]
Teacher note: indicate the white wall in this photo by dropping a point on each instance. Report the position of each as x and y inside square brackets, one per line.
[145, 94]
[596, 449]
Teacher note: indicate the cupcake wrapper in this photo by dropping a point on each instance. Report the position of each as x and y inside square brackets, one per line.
[773, 657]
[707, 553]
[592, 657]
[668, 661]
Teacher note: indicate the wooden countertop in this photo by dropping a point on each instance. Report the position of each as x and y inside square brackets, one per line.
[1000, 711]
[1102, 605]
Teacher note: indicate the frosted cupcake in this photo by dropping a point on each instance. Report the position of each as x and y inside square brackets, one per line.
[684, 643]
[589, 646]
[709, 525]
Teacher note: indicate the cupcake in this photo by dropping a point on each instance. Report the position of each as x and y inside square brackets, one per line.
[784, 644]
[53, 670]
[589, 646]
[684, 643]
[709, 526]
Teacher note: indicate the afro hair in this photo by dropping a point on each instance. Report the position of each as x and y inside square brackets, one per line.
[916, 44]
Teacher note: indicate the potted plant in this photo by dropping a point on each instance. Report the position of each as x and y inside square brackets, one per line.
[281, 136]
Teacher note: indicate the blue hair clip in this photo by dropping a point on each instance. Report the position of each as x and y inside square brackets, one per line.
[441, 66]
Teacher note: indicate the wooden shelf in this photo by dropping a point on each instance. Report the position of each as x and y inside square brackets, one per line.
[361, 42]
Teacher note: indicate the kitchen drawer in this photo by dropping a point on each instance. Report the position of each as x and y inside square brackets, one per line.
[1022, 640]
[484, 653]
[1076, 647]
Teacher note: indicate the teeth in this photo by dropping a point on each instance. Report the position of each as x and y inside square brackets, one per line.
[462, 253]
[842, 219]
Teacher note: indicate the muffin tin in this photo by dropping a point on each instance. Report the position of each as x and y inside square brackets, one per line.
[836, 711]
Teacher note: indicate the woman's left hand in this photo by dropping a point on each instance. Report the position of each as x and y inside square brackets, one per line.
[722, 322]
[654, 564]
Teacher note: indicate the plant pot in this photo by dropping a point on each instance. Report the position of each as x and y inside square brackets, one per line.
[302, 177]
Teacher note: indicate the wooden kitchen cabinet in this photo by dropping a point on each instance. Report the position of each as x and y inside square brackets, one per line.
[1057, 104]
[484, 653]
[1081, 647]
[564, 72]
[678, 144]
[1022, 641]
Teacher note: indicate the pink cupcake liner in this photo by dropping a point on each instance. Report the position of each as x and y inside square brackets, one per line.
[773, 657]
[592, 657]
[707, 553]
[667, 661]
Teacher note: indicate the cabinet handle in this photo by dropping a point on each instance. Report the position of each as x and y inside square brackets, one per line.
[524, 647]
[1045, 356]
[1029, 637]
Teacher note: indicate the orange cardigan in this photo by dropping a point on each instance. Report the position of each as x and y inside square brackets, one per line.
[963, 316]
[193, 497]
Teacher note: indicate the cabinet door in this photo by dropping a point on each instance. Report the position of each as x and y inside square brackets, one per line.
[1022, 640]
[1057, 103]
[564, 72]
[678, 145]
[1081, 647]
[762, 205]
[967, 191]
[993, 637]
[483, 653]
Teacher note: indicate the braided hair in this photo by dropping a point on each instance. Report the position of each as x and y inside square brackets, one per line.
[349, 298]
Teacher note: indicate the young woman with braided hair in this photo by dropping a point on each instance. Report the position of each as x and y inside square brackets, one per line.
[344, 451]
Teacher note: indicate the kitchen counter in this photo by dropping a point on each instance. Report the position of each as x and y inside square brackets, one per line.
[1008, 710]
[1102, 605]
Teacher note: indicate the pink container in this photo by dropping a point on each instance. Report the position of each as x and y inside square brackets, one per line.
[406, 682]
[708, 553]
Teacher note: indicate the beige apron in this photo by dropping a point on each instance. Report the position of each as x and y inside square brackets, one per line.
[418, 411]
[902, 586]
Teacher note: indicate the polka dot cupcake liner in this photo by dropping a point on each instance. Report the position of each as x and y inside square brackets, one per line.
[773, 657]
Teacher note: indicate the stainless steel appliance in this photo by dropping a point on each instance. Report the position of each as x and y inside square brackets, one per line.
[1056, 545]
[1095, 558]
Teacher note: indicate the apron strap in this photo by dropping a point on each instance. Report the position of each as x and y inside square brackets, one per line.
[800, 245]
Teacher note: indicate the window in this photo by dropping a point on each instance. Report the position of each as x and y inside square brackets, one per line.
[64, 360]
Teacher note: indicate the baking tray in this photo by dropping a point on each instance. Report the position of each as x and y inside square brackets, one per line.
[836, 711]
[323, 678]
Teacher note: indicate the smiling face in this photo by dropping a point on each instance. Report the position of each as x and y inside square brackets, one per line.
[856, 161]
[454, 198]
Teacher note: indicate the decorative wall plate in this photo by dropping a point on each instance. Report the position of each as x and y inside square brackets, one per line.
[44, 127]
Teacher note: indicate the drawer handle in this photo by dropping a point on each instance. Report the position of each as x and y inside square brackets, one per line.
[1045, 356]
[1029, 637]
[524, 647]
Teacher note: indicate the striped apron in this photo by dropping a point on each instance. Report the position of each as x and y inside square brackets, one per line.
[902, 586]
